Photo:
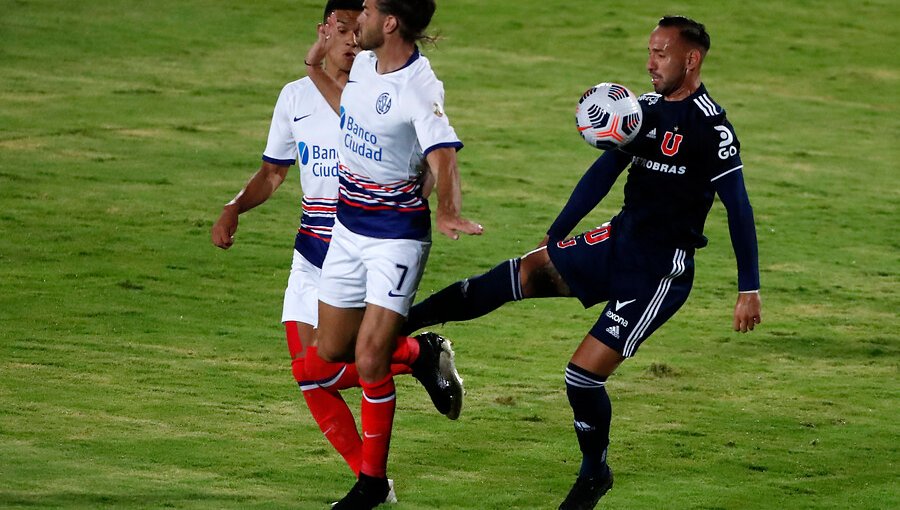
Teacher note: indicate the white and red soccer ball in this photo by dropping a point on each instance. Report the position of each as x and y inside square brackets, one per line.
[608, 116]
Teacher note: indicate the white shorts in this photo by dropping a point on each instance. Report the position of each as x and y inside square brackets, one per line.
[360, 269]
[301, 297]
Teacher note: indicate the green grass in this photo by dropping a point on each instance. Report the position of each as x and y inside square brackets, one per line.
[142, 368]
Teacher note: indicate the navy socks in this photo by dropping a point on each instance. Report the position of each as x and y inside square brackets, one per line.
[468, 299]
[593, 413]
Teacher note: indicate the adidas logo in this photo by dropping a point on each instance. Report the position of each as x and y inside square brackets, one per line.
[584, 427]
[614, 331]
[652, 134]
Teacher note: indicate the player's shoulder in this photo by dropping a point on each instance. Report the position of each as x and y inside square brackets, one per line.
[649, 99]
[419, 68]
[706, 109]
[420, 81]
[298, 88]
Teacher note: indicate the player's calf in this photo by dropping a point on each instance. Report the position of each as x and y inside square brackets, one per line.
[468, 299]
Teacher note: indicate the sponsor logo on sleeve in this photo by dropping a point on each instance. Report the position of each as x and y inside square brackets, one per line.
[726, 149]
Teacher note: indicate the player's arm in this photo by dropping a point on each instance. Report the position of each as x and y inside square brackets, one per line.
[330, 89]
[443, 162]
[731, 190]
[589, 191]
[429, 179]
[258, 189]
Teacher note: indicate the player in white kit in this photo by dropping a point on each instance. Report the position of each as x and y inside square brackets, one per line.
[306, 129]
[391, 117]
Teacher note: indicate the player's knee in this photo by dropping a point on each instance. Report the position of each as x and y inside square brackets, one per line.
[541, 279]
[333, 354]
[372, 366]
[530, 269]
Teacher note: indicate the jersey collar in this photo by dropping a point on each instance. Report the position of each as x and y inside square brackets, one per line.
[697, 93]
[412, 58]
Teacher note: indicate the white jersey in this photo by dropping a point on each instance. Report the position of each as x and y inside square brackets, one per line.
[304, 128]
[389, 123]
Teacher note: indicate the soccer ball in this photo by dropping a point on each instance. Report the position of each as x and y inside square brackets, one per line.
[608, 116]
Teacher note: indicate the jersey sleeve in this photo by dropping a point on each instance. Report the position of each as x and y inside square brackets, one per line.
[589, 191]
[723, 151]
[432, 126]
[733, 193]
[280, 148]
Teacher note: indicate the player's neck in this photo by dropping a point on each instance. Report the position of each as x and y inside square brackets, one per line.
[336, 73]
[393, 55]
[687, 88]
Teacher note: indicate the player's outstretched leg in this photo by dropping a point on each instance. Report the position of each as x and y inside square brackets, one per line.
[468, 299]
[435, 368]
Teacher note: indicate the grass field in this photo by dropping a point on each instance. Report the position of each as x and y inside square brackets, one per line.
[142, 368]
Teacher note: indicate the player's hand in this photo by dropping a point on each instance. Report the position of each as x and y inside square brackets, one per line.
[452, 226]
[747, 311]
[223, 231]
[316, 53]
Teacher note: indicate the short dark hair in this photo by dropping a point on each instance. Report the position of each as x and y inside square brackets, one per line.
[344, 5]
[414, 16]
[691, 31]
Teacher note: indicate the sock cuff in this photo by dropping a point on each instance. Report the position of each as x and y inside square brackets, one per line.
[581, 378]
[379, 391]
[515, 266]
[321, 372]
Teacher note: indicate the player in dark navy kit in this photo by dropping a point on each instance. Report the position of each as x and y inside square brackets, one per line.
[641, 263]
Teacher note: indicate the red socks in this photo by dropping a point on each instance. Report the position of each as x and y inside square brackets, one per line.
[378, 404]
[321, 381]
[326, 406]
[405, 354]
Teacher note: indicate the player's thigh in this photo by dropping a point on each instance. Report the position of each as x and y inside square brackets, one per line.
[376, 341]
[641, 302]
[301, 297]
[596, 357]
[394, 268]
[539, 277]
[338, 328]
[584, 263]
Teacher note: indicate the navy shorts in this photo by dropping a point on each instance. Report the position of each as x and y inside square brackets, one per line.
[643, 285]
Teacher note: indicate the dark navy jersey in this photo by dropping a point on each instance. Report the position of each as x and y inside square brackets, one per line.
[682, 148]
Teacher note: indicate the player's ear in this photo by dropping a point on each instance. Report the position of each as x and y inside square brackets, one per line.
[694, 58]
[391, 24]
